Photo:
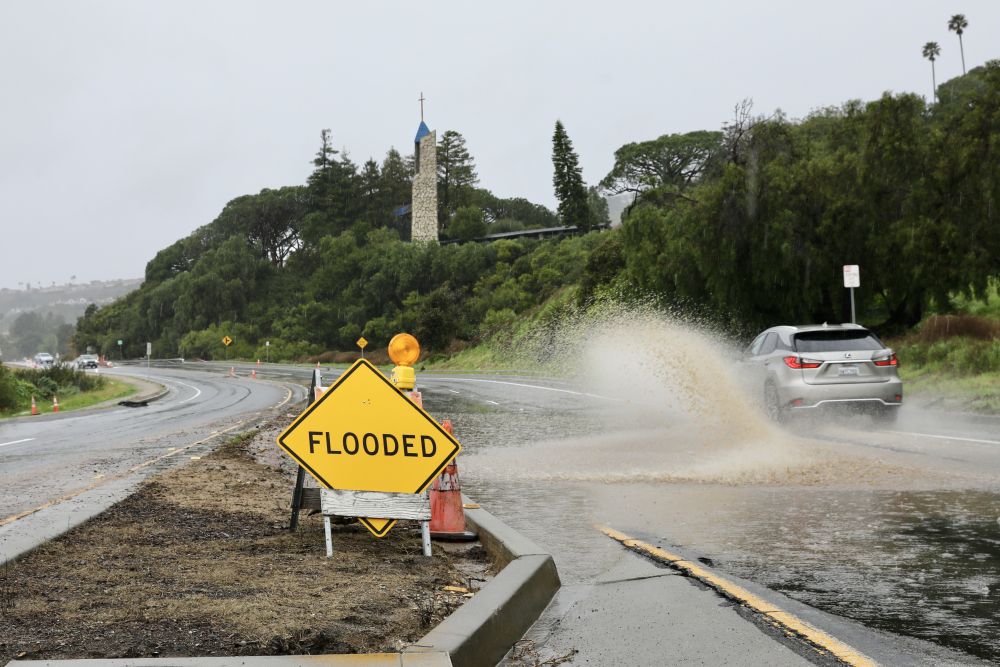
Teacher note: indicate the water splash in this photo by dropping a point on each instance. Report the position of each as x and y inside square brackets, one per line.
[668, 404]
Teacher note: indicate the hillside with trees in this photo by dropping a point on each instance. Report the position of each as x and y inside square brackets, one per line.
[746, 226]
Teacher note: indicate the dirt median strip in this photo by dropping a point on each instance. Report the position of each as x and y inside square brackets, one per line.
[773, 614]
[480, 631]
[199, 562]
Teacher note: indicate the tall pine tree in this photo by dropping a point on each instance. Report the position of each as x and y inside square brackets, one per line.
[456, 173]
[333, 192]
[568, 181]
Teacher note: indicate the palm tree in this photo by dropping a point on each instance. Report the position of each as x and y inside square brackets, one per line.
[931, 52]
[957, 24]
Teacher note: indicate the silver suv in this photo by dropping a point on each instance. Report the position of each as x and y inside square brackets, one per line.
[801, 368]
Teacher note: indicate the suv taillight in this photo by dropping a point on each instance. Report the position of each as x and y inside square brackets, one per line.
[799, 362]
[886, 361]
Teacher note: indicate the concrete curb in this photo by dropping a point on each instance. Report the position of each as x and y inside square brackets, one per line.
[484, 629]
[480, 632]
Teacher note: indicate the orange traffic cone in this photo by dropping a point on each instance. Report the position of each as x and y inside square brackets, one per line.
[258, 362]
[232, 371]
[317, 364]
[253, 374]
[447, 513]
[55, 403]
[34, 407]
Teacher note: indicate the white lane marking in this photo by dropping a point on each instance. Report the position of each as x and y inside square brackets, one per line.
[536, 386]
[197, 392]
[16, 442]
[946, 437]
[493, 402]
[453, 391]
[196, 395]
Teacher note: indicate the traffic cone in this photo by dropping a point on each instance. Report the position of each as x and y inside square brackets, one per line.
[253, 374]
[447, 513]
[34, 407]
[55, 403]
[317, 364]
[232, 371]
[258, 362]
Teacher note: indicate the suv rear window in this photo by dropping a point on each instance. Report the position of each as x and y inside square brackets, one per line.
[836, 341]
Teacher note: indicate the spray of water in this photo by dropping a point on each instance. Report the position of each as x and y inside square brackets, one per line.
[675, 407]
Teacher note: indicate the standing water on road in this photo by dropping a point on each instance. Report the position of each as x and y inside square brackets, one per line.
[657, 436]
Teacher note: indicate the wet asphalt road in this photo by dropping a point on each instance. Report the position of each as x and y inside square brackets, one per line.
[894, 530]
[49, 457]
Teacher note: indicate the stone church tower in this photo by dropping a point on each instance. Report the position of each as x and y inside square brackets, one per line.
[424, 209]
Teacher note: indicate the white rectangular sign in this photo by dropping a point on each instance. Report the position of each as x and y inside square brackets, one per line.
[852, 275]
[149, 349]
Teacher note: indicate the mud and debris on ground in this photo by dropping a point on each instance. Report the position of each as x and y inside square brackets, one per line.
[200, 562]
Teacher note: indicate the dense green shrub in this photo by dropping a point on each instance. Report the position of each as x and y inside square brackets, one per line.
[18, 386]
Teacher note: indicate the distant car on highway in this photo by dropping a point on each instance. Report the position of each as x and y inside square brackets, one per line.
[802, 368]
[44, 359]
[86, 361]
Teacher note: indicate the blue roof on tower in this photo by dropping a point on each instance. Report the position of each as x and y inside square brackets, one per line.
[422, 132]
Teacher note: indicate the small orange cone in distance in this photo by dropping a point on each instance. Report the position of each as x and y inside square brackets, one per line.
[447, 513]
[34, 406]
[232, 371]
[258, 362]
[253, 374]
[55, 403]
[317, 364]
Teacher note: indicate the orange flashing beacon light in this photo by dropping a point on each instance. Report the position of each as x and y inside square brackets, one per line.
[404, 350]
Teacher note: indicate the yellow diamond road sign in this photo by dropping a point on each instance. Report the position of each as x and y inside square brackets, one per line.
[362, 342]
[227, 341]
[363, 434]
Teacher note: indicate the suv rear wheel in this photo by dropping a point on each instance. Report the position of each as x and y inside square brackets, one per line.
[772, 405]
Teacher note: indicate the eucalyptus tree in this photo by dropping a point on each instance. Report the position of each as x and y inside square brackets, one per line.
[931, 51]
[957, 24]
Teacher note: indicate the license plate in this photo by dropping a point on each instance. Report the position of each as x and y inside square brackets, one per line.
[848, 370]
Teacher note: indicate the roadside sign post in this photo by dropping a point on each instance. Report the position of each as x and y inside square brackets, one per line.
[300, 474]
[362, 342]
[120, 357]
[149, 352]
[852, 279]
[363, 434]
[227, 341]
[267, 352]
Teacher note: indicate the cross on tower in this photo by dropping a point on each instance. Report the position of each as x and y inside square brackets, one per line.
[422, 98]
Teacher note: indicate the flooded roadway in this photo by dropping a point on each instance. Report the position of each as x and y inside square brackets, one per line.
[896, 530]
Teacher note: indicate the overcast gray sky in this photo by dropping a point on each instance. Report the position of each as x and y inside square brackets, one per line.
[126, 125]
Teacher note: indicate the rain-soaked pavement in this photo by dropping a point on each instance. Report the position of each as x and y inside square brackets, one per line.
[896, 529]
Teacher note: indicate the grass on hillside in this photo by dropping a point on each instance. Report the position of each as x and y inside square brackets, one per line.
[953, 362]
[970, 393]
[112, 389]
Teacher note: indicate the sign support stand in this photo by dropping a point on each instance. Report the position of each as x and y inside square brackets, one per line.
[854, 320]
[300, 478]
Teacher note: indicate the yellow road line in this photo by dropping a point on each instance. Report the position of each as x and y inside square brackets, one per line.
[773, 614]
